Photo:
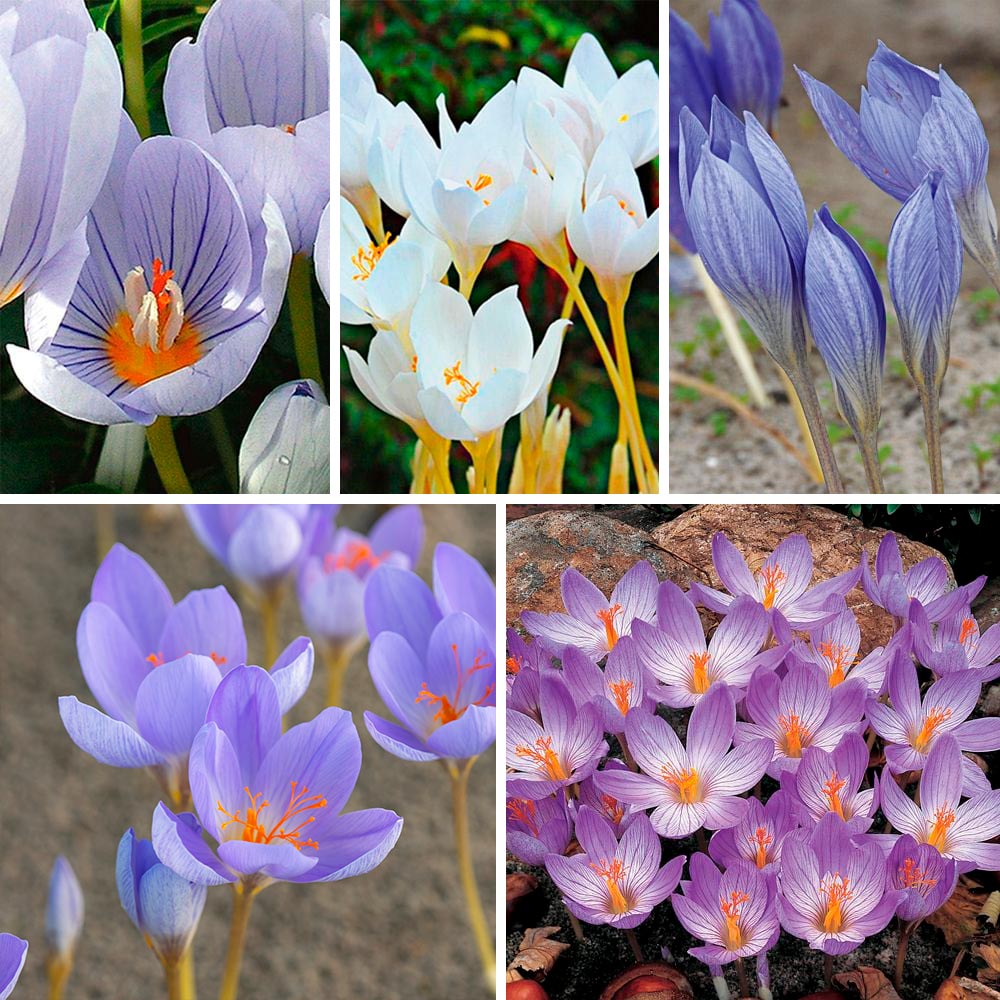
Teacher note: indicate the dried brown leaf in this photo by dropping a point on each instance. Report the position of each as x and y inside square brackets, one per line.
[867, 984]
[536, 954]
[958, 917]
[960, 988]
[519, 885]
[990, 955]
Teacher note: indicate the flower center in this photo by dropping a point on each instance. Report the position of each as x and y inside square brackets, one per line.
[623, 205]
[607, 616]
[151, 338]
[967, 631]
[797, 735]
[366, 258]
[355, 556]
[932, 720]
[257, 831]
[613, 872]
[290, 129]
[482, 181]
[451, 708]
[700, 681]
[684, 783]
[514, 664]
[543, 754]
[772, 578]
[466, 389]
[832, 792]
[731, 911]
[612, 808]
[912, 877]
[760, 842]
[938, 836]
[620, 691]
[623, 118]
[835, 892]
[523, 811]
[157, 659]
[837, 655]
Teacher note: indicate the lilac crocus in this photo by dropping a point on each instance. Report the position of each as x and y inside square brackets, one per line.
[732, 912]
[614, 881]
[910, 727]
[461, 583]
[613, 810]
[594, 623]
[913, 121]
[272, 801]
[759, 834]
[523, 655]
[13, 951]
[675, 651]
[957, 644]
[925, 878]
[959, 831]
[175, 300]
[692, 787]
[61, 88]
[781, 585]
[798, 711]
[833, 891]
[617, 690]
[537, 827]
[63, 920]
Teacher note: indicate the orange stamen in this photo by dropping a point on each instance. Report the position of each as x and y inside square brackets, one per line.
[290, 129]
[796, 735]
[624, 207]
[772, 577]
[938, 836]
[514, 664]
[685, 783]
[523, 811]
[482, 181]
[467, 389]
[366, 259]
[451, 709]
[836, 891]
[257, 832]
[620, 691]
[912, 877]
[731, 911]
[761, 840]
[933, 719]
[356, 555]
[968, 630]
[217, 659]
[138, 364]
[837, 655]
[608, 617]
[542, 753]
[612, 808]
[613, 872]
[156, 659]
[413, 363]
[832, 792]
[700, 681]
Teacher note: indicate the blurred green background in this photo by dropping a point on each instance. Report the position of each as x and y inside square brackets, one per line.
[42, 451]
[415, 51]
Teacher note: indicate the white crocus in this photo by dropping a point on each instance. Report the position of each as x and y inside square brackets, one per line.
[391, 128]
[549, 203]
[357, 110]
[321, 253]
[387, 379]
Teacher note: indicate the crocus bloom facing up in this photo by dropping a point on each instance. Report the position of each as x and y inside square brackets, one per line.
[617, 690]
[834, 892]
[759, 834]
[13, 951]
[63, 917]
[537, 827]
[694, 786]
[732, 912]
[272, 801]
[957, 644]
[616, 882]
[925, 878]
[594, 623]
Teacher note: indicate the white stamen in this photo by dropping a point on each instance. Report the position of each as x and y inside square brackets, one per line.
[145, 326]
[135, 289]
[175, 314]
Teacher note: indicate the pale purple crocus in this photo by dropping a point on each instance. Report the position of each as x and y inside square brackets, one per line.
[461, 583]
[798, 711]
[613, 810]
[925, 878]
[694, 786]
[617, 690]
[537, 827]
[272, 801]
[524, 692]
[910, 725]
[614, 881]
[524, 657]
[13, 951]
[833, 891]
[957, 645]
[594, 623]
[781, 585]
[63, 913]
[676, 653]
[759, 834]
[959, 830]
[830, 781]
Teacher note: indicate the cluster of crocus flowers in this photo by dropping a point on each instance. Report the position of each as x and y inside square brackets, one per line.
[595, 755]
[550, 166]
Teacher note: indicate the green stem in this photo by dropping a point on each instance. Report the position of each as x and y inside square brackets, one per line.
[224, 446]
[163, 449]
[930, 399]
[185, 965]
[300, 306]
[132, 63]
[336, 659]
[802, 383]
[873, 468]
[242, 904]
[905, 930]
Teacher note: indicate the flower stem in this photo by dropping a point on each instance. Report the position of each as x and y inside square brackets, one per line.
[744, 982]
[166, 458]
[477, 918]
[930, 399]
[132, 62]
[57, 969]
[873, 468]
[224, 446]
[812, 459]
[269, 626]
[569, 302]
[905, 930]
[576, 925]
[172, 972]
[300, 307]
[803, 385]
[439, 449]
[186, 966]
[828, 970]
[634, 944]
[242, 904]
[336, 658]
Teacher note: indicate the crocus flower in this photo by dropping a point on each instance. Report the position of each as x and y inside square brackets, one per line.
[675, 651]
[834, 891]
[564, 748]
[595, 623]
[537, 827]
[911, 727]
[524, 655]
[524, 692]
[782, 584]
[612, 809]
[957, 644]
[957, 831]
[913, 121]
[272, 801]
[616, 882]
[617, 690]
[61, 93]
[693, 787]
[798, 711]
[732, 912]
[357, 113]
[925, 878]
[170, 315]
[830, 781]
[462, 584]
[164, 907]
[13, 951]
[63, 915]
[759, 834]
[321, 253]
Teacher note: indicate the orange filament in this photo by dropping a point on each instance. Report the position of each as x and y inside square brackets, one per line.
[772, 577]
[356, 555]
[156, 659]
[836, 891]
[761, 840]
[482, 181]
[256, 832]
[451, 709]
[613, 809]
[685, 783]
[832, 792]
[700, 681]
[731, 911]
[542, 753]
[523, 811]
[366, 259]
[613, 872]
[608, 617]
[138, 364]
[837, 655]
[624, 207]
[217, 659]
[968, 629]
[943, 819]
[797, 735]
[514, 664]
[912, 877]
[620, 691]
[467, 389]
[933, 719]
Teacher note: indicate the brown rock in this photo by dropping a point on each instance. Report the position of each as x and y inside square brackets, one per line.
[650, 981]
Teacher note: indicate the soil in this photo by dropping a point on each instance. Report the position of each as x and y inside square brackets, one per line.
[834, 42]
[398, 932]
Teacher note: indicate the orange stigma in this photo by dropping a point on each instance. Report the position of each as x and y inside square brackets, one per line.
[731, 911]
[761, 841]
[257, 832]
[620, 691]
[623, 205]
[613, 872]
[832, 792]
[608, 617]
[700, 681]
[217, 659]
[523, 811]
[612, 808]
[290, 129]
[938, 836]
[356, 555]
[968, 630]
[685, 783]
[543, 754]
[365, 259]
[466, 389]
[836, 892]
[837, 655]
[933, 719]
[772, 577]
[797, 735]
[451, 709]
[514, 664]
[156, 659]
[912, 877]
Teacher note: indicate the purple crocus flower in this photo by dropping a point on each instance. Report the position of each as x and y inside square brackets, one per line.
[675, 651]
[536, 827]
[695, 786]
[830, 781]
[524, 656]
[616, 882]
[782, 584]
[63, 914]
[617, 690]
[833, 891]
[61, 88]
[613, 810]
[732, 912]
[175, 300]
[925, 878]
[13, 951]
[957, 831]
[911, 727]
[798, 711]
[957, 645]
[461, 583]
[759, 834]
[595, 623]
[272, 801]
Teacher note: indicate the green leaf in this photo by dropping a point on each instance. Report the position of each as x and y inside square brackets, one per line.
[975, 514]
[101, 13]
[155, 72]
[168, 26]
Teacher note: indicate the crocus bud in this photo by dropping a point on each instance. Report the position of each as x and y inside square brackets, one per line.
[618, 476]
[64, 911]
[163, 906]
[555, 442]
[13, 951]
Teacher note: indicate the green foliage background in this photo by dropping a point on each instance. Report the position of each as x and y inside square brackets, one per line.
[415, 51]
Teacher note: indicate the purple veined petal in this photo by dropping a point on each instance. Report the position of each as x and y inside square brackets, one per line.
[955, 696]
[206, 622]
[556, 631]
[927, 580]
[740, 634]
[399, 601]
[707, 597]
[583, 676]
[171, 703]
[693, 142]
[400, 529]
[595, 834]
[678, 819]
[899, 808]
[941, 782]
[892, 77]
[953, 141]
[332, 606]
[130, 586]
[654, 744]
[892, 135]
[805, 693]
[640, 850]
[636, 593]
[732, 567]
[695, 918]
[13, 952]
[398, 675]
[722, 811]
[711, 727]
[887, 558]
[215, 778]
[181, 849]
[358, 842]
[904, 692]
[113, 665]
[577, 882]
[292, 672]
[107, 740]
[581, 598]
[978, 819]
[275, 860]
[396, 740]
[641, 790]
[979, 735]
[460, 659]
[584, 743]
[800, 876]
[462, 584]
[677, 617]
[792, 562]
[467, 736]
[762, 698]
[741, 768]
